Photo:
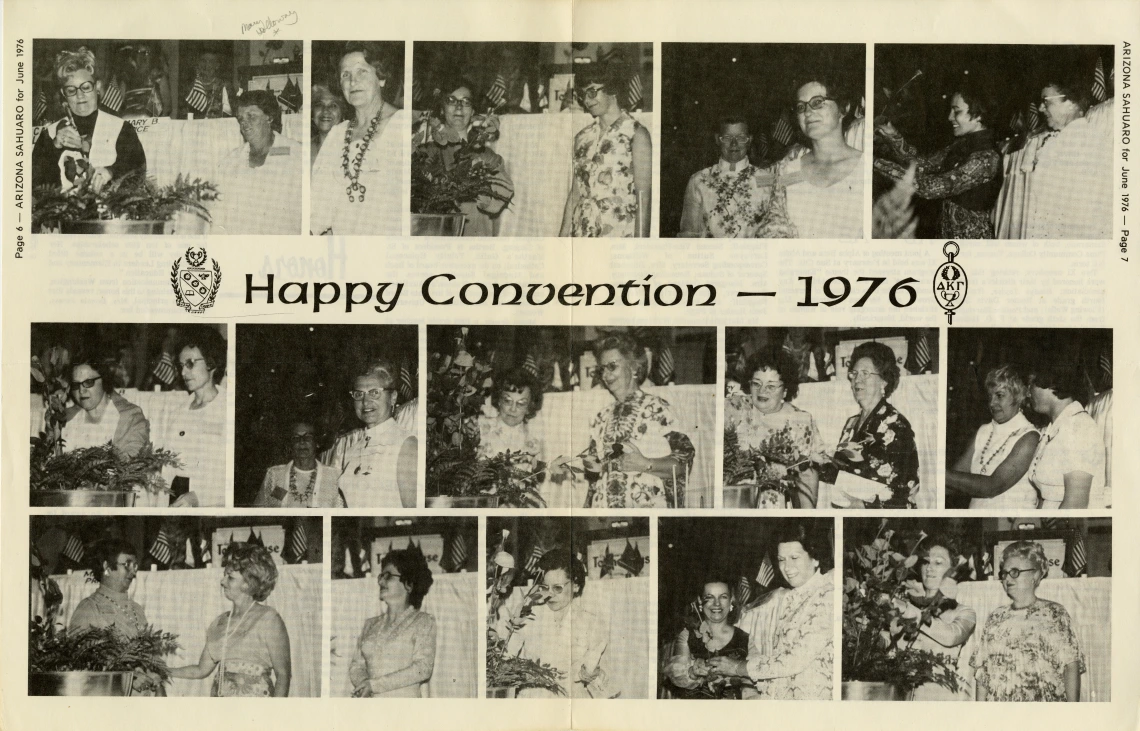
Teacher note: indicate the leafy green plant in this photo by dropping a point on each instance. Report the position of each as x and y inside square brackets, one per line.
[98, 649]
[98, 468]
[440, 188]
[133, 197]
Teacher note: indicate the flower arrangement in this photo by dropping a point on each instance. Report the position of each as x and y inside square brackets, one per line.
[133, 197]
[712, 683]
[880, 585]
[771, 466]
[440, 186]
[50, 376]
[99, 649]
[98, 468]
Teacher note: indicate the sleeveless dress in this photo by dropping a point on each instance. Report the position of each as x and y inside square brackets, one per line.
[245, 667]
[603, 178]
[366, 461]
[1001, 439]
[833, 212]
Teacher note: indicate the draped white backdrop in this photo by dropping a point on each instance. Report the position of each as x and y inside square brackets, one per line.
[565, 421]
[1089, 603]
[453, 601]
[186, 602]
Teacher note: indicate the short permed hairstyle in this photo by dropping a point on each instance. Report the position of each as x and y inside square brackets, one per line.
[107, 551]
[1009, 377]
[883, 358]
[209, 343]
[256, 566]
[629, 350]
[773, 359]
[263, 100]
[1032, 551]
[734, 612]
[561, 558]
[414, 572]
[68, 62]
[813, 540]
[375, 55]
[518, 380]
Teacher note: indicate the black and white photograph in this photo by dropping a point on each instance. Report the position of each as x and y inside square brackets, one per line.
[762, 140]
[977, 609]
[167, 136]
[405, 598]
[532, 139]
[175, 606]
[796, 436]
[128, 415]
[1029, 418]
[568, 607]
[357, 136]
[325, 416]
[570, 417]
[746, 608]
[996, 141]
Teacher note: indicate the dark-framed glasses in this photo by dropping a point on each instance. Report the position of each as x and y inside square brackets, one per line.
[766, 387]
[372, 393]
[815, 103]
[590, 92]
[1013, 573]
[458, 103]
[388, 575]
[88, 384]
[86, 87]
[188, 365]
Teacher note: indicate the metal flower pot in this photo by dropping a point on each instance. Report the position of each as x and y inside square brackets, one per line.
[739, 496]
[433, 224]
[858, 690]
[113, 227]
[474, 501]
[80, 683]
[81, 499]
[501, 692]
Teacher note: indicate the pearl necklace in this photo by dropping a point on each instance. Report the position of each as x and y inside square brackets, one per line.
[306, 496]
[353, 174]
[985, 462]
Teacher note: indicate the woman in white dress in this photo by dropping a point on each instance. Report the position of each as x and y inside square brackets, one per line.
[1068, 467]
[358, 176]
[994, 469]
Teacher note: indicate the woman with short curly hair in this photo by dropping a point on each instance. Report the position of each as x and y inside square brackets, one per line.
[248, 645]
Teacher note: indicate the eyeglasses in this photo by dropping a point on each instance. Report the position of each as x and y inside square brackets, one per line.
[1013, 573]
[1045, 99]
[372, 393]
[766, 387]
[816, 103]
[729, 139]
[610, 367]
[188, 365]
[460, 103]
[88, 384]
[128, 565]
[590, 92]
[86, 87]
[304, 437]
[388, 575]
[861, 375]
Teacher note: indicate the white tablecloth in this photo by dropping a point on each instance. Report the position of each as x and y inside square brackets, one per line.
[186, 602]
[538, 151]
[565, 421]
[1089, 603]
[453, 601]
[916, 398]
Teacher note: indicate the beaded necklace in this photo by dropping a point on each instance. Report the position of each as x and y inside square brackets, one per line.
[128, 611]
[985, 461]
[304, 497]
[353, 173]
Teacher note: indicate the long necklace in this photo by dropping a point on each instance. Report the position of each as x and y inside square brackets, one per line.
[127, 611]
[353, 172]
[305, 496]
[985, 462]
[226, 642]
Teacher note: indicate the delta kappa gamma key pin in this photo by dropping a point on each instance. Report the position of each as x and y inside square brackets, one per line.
[950, 283]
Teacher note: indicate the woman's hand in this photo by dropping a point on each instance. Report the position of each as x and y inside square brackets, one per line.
[886, 128]
[362, 691]
[67, 138]
[100, 177]
[632, 460]
[591, 464]
[728, 666]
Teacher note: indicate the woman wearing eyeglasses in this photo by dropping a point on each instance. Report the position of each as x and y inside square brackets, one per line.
[824, 185]
[100, 415]
[376, 462]
[877, 458]
[456, 136]
[196, 432]
[1027, 651]
[611, 191]
[765, 420]
[88, 146]
[395, 655]
[357, 185]
[303, 482]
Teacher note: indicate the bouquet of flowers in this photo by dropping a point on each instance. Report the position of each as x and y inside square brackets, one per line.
[439, 186]
[772, 466]
[133, 197]
[50, 374]
[880, 586]
[712, 683]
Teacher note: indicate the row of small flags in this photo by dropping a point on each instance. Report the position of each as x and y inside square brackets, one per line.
[1030, 119]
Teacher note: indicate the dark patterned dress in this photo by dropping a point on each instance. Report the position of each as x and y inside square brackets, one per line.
[888, 456]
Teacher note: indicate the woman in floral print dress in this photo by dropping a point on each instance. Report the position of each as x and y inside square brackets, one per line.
[1028, 651]
[649, 469]
[613, 164]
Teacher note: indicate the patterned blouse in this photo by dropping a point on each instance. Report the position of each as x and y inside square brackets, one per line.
[646, 422]
[888, 456]
[1022, 653]
[798, 665]
[966, 176]
[723, 203]
[394, 656]
[603, 178]
[524, 440]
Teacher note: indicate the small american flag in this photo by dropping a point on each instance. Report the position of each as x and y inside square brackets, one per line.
[743, 591]
[113, 97]
[298, 544]
[530, 365]
[74, 548]
[1105, 364]
[634, 92]
[417, 92]
[457, 552]
[665, 366]
[1099, 90]
[920, 358]
[197, 98]
[766, 575]
[406, 388]
[536, 553]
[762, 145]
[161, 550]
[1076, 559]
[782, 131]
[497, 94]
[40, 108]
[1033, 117]
[164, 370]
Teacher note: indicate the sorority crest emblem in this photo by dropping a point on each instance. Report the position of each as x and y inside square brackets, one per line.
[950, 283]
[195, 285]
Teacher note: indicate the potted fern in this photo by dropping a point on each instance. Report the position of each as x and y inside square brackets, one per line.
[132, 204]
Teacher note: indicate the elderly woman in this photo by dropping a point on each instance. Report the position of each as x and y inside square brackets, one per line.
[687, 671]
[516, 397]
[994, 470]
[642, 459]
[766, 421]
[100, 415]
[825, 185]
[562, 632]
[946, 633]
[377, 461]
[87, 146]
[197, 431]
[1027, 651]
[791, 648]
[876, 457]
[260, 181]
[611, 191]
[460, 137]
[248, 645]
[303, 482]
[329, 110]
[1068, 465]
[395, 655]
[966, 175]
[357, 183]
